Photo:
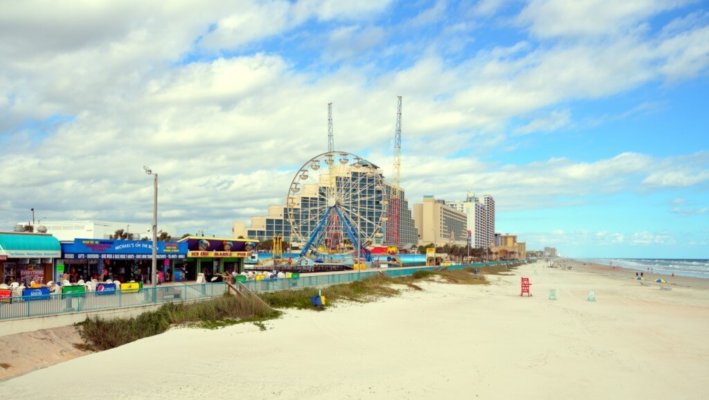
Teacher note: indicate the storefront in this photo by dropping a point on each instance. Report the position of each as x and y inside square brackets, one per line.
[123, 260]
[211, 255]
[27, 257]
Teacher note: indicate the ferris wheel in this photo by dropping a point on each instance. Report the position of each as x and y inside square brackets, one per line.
[336, 204]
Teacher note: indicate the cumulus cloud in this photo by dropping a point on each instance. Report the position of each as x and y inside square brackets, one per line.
[680, 206]
[589, 18]
[90, 94]
[554, 121]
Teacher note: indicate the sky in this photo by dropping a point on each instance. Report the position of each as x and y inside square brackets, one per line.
[586, 120]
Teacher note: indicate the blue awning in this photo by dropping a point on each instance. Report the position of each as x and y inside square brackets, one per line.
[29, 245]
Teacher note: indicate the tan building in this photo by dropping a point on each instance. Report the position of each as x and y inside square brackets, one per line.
[509, 248]
[439, 223]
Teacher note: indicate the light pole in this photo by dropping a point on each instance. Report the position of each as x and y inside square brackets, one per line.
[153, 273]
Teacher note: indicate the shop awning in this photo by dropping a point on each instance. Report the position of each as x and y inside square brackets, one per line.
[29, 245]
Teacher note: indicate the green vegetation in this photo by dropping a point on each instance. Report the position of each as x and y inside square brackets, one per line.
[369, 289]
[498, 270]
[227, 310]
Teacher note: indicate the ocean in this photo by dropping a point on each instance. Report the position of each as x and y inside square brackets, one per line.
[696, 268]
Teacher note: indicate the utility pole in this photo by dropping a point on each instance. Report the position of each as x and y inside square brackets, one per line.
[153, 275]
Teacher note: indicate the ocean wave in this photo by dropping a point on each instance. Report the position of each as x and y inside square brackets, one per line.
[696, 268]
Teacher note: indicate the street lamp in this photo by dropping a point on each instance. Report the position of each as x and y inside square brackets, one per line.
[153, 275]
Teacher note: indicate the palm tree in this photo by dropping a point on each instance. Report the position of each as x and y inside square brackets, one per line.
[164, 236]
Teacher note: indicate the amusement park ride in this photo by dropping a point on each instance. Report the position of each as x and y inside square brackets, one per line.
[337, 206]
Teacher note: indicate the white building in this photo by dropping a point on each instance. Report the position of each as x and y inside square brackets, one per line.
[70, 230]
[480, 213]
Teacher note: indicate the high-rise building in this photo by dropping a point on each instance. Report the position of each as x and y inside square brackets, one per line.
[490, 218]
[408, 234]
[480, 221]
[439, 224]
[369, 206]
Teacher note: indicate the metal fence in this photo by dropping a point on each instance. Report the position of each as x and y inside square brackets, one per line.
[64, 303]
[55, 304]
[324, 280]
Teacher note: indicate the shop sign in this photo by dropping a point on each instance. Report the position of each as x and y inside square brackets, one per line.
[216, 244]
[121, 249]
[73, 291]
[105, 288]
[130, 287]
[200, 254]
[31, 274]
[217, 254]
[5, 295]
[33, 253]
[30, 294]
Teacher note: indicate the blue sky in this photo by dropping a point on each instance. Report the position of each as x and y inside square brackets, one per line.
[585, 120]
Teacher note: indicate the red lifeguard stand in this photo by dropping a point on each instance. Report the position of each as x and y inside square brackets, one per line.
[525, 287]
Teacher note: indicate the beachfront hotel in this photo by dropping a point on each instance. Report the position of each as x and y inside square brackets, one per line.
[440, 224]
[480, 218]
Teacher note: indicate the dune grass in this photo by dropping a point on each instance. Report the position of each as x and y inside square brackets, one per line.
[370, 289]
[100, 334]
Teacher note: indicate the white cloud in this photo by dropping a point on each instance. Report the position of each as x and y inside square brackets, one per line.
[554, 121]
[352, 40]
[327, 10]
[686, 54]
[589, 18]
[227, 133]
[220, 81]
[651, 238]
[430, 15]
[676, 178]
[681, 207]
[485, 8]
[252, 21]
[683, 171]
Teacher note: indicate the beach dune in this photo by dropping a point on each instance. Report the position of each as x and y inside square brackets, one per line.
[447, 341]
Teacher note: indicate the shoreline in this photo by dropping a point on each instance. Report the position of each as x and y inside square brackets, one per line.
[658, 270]
[629, 273]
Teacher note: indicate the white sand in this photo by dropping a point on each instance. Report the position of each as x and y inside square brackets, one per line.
[446, 342]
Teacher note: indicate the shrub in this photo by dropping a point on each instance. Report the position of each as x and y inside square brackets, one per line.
[99, 334]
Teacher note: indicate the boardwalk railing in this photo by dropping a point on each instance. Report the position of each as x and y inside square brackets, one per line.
[324, 280]
[56, 304]
[63, 303]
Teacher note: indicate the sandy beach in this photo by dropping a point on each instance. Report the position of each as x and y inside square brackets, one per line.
[448, 341]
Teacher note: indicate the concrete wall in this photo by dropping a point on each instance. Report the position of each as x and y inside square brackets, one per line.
[20, 325]
[13, 326]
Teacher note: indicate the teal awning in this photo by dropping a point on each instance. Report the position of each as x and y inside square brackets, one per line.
[29, 245]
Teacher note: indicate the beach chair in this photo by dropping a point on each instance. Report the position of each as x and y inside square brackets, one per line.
[525, 287]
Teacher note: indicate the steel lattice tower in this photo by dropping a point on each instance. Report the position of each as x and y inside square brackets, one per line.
[330, 134]
[394, 202]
